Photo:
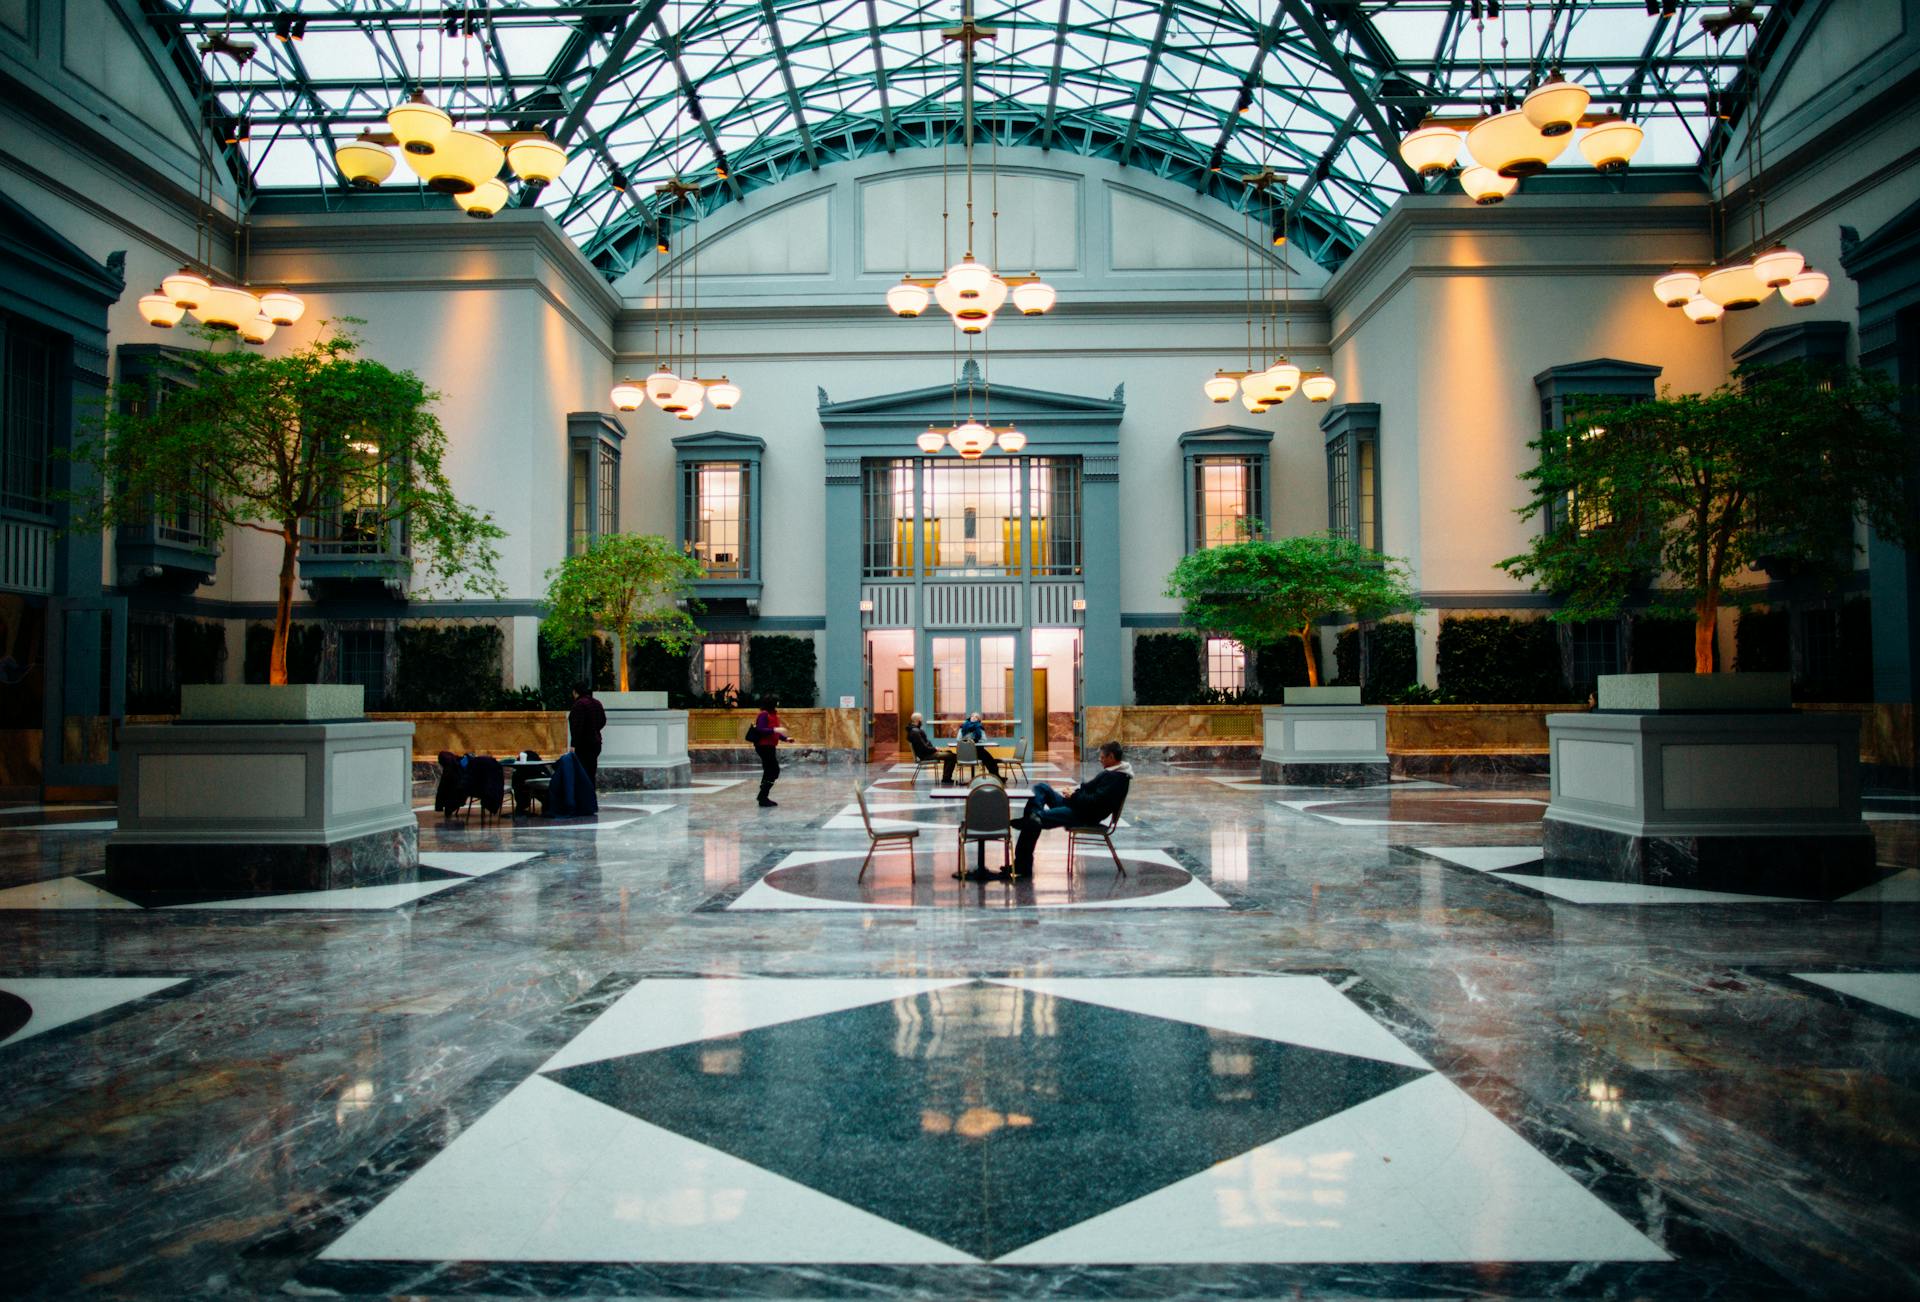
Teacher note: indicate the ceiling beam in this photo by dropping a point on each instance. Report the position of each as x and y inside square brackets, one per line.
[1053, 77]
[880, 73]
[1362, 95]
[612, 62]
[720, 160]
[1249, 87]
[1141, 100]
[793, 91]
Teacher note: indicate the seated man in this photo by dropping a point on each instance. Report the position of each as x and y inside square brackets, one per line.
[926, 750]
[975, 731]
[1090, 802]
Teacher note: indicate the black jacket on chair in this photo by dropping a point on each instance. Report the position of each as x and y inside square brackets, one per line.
[1096, 799]
[922, 748]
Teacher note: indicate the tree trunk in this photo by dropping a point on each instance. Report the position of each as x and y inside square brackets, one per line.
[1306, 645]
[283, 606]
[620, 649]
[1706, 615]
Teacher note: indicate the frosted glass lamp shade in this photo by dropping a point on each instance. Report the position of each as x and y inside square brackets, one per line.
[1702, 310]
[972, 325]
[1221, 387]
[159, 310]
[1278, 382]
[1735, 287]
[970, 291]
[485, 199]
[188, 289]
[692, 410]
[971, 440]
[1512, 146]
[628, 396]
[1676, 288]
[907, 299]
[1252, 403]
[685, 394]
[537, 161]
[418, 125]
[257, 331]
[1554, 107]
[1486, 185]
[281, 307]
[660, 386]
[1777, 266]
[931, 441]
[1805, 289]
[1012, 440]
[364, 163]
[227, 307]
[724, 395]
[462, 161]
[1431, 150]
[1610, 146]
[1033, 297]
[1318, 387]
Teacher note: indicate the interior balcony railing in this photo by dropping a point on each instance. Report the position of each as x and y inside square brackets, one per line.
[26, 554]
[357, 546]
[170, 544]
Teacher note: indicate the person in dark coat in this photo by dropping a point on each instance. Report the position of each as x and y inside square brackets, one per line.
[767, 736]
[923, 749]
[1091, 802]
[585, 722]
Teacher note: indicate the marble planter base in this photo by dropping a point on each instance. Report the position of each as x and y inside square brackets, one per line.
[1324, 775]
[635, 777]
[1813, 867]
[377, 858]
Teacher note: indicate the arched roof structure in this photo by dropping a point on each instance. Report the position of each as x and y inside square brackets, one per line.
[733, 95]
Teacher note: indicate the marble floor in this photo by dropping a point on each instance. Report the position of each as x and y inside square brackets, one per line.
[1295, 1043]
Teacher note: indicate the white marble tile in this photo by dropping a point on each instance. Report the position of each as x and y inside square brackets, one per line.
[1899, 991]
[1419, 1174]
[354, 898]
[474, 863]
[661, 1012]
[62, 893]
[1487, 858]
[761, 897]
[1296, 1009]
[1902, 887]
[1579, 890]
[56, 1001]
[544, 825]
[551, 1175]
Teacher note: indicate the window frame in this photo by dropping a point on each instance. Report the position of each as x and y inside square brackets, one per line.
[593, 499]
[1352, 441]
[1219, 443]
[692, 452]
[1568, 387]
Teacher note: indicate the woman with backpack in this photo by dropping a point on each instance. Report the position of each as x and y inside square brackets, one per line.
[766, 734]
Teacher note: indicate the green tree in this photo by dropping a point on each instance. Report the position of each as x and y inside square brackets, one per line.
[628, 584]
[316, 445]
[1778, 463]
[1265, 589]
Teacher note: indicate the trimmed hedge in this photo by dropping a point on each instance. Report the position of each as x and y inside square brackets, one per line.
[454, 667]
[1762, 642]
[303, 652]
[1663, 644]
[783, 667]
[199, 651]
[1393, 663]
[1167, 669]
[1280, 666]
[651, 667]
[1497, 660]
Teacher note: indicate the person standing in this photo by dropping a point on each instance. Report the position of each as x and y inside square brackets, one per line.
[585, 722]
[767, 736]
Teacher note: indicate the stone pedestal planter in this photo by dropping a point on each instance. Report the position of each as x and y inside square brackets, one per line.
[1750, 799]
[645, 745]
[258, 807]
[1324, 737]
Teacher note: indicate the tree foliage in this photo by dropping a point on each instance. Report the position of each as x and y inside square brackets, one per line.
[1779, 463]
[631, 585]
[1260, 591]
[318, 445]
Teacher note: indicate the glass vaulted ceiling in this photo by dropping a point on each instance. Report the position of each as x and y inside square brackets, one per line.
[738, 94]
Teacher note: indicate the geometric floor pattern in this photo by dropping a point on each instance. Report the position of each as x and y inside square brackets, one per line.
[1089, 1120]
[440, 870]
[31, 1006]
[1510, 864]
[1898, 991]
[831, 879]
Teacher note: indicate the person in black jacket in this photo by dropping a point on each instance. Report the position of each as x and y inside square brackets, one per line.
[585, 722]
[1093, 801]
[926, 750]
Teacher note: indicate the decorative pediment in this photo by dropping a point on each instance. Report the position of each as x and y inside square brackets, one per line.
[936, 405]
[718, 443]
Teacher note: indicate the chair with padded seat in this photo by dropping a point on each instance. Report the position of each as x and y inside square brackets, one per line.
[1016, 761]
[1101, 832]
[966, 755]
[903, 837]
[986, 816]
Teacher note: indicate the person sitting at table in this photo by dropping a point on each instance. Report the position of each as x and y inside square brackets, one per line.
[1091, 802]
[924, 749]
[973, 729]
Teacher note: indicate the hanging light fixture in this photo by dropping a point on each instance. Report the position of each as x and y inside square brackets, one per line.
[365, 162]
[226, 307]
[282, 307]
[1555, 107]
[628, 396]
[1221, 387]
[536, 160]
[1012, 440]
[685, 394]
[1610, 146]
[418, 125]
[1431, 150]
[1033, 297]
[1677, 287]
[907, 298]
[1486, 185]
[485, 199]
[1777, 266]
[971, 440]
[1805, 289]
[460, 161]
[256, 331]
[1511, 145]
[1735, 286]
[724, 394]
[1253, 404]
[693, 409]
[661, 386]
[1702, 310]
[159, 310]
[932, 441]
[1318, 386]
[187, 288]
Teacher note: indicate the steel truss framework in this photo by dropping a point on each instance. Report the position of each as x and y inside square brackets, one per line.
[734, 95]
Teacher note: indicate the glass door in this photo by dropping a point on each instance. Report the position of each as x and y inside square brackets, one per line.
[973, 672]
[87, 640]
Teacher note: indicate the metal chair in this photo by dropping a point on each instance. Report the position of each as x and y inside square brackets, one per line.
[1101, 832]
[927, 762]
[986, 817]
[966, 755]
[902, 836]
[1016, 761]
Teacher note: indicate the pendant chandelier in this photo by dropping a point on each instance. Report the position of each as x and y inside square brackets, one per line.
[971, 439]
[1737, 284]
[970, 292]
[684, 398]
[252, 316]
[1511, 142]
[463, 162]
[1262, 388]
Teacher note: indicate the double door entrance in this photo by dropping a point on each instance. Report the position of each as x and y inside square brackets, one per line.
[1022, 684]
